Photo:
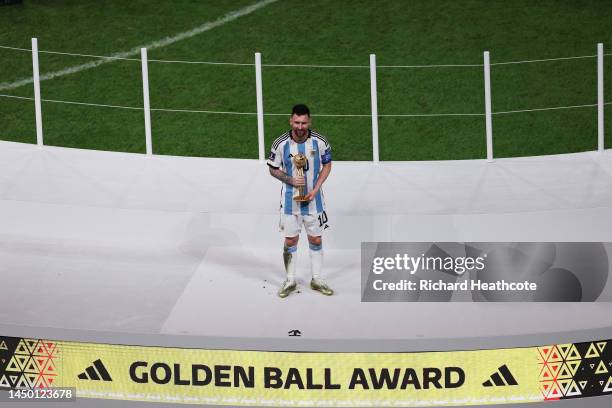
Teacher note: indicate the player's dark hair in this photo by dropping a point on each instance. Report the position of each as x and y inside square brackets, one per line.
[300, 109]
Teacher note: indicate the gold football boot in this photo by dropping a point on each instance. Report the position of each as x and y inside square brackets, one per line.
[286, 289]
[321, 286]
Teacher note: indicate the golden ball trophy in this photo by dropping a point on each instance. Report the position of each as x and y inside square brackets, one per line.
[300, 162]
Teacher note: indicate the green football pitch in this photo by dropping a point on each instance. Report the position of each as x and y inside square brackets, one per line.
[336, 33]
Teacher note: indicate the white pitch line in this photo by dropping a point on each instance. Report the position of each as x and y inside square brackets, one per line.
[229, 17]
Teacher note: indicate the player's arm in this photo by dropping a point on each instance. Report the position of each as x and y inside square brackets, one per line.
[326, 161]
[325, 170]
[274, 165]
[285, 178]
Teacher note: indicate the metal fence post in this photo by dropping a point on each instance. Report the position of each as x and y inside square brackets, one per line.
[374, 98]
[145, 95]
[260, 112]
[600, 98]
[37, 99]
[488, 114]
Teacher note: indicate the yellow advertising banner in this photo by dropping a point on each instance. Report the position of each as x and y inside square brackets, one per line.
[265, 378]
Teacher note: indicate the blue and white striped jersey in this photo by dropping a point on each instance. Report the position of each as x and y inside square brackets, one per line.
[318, 152]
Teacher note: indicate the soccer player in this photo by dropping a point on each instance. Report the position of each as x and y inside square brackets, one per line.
[310, 213]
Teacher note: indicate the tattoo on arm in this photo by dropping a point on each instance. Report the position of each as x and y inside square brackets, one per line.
[281, 175]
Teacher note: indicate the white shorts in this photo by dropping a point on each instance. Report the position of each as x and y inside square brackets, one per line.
[291, 225]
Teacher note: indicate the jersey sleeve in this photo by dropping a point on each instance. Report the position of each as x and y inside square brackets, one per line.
[275, 158]
[325, 150]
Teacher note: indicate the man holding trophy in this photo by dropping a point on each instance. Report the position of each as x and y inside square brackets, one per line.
[301, 160]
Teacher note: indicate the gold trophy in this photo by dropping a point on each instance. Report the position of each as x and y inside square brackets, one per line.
[300, 162]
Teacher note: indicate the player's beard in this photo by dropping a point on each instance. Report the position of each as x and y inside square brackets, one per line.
[299, 134]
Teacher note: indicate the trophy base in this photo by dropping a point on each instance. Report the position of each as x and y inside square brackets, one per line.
[300, 199]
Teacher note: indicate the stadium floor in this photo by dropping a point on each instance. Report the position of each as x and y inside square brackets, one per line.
[124, 243]
[122, 248]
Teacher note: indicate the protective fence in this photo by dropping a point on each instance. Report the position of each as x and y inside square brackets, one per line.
[484, 94]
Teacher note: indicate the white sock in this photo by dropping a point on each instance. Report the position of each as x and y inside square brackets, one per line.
[316, 260]
[289, 257]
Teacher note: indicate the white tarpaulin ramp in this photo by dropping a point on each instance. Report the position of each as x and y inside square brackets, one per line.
[125, 243]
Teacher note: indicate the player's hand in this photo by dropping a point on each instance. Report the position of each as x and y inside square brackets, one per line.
[299, 181]
[310, 196]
